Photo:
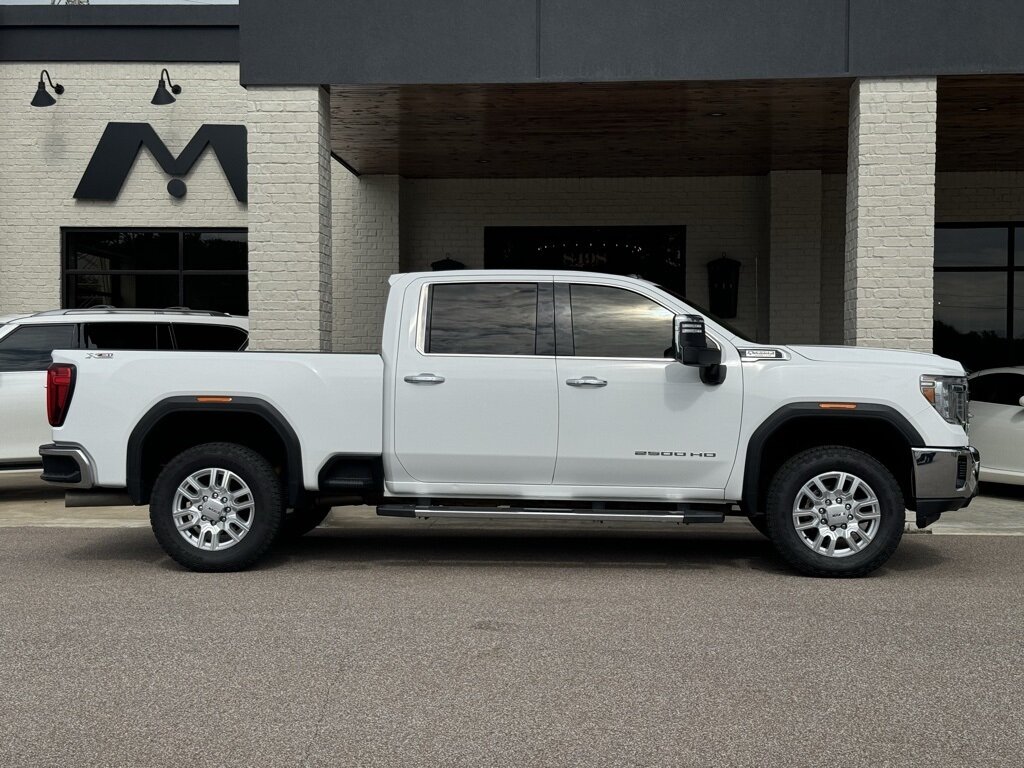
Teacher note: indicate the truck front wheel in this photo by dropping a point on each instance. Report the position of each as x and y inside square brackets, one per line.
[216, 507]
[835, 511]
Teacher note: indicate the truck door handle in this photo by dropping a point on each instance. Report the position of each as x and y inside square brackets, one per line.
[425, 378]
[587, 381]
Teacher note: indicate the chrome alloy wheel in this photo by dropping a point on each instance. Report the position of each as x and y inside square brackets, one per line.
[836, 514]
[213, 509]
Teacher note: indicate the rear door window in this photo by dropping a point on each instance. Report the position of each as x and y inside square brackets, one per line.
[28, 348]
[484, 319]
[141, 336]
[198, 337]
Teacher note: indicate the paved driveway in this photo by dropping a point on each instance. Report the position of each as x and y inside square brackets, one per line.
[385, 643]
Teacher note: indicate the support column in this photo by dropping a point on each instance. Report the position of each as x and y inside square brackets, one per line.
[795, 279]
[366, 217]
[289, 219]
[890, 213]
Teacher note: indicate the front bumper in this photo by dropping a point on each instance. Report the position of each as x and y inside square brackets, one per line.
[945, 479]
[68, 465]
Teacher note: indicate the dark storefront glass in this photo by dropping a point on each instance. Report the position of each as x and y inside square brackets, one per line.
[655, 253]
[979, 294]
[156, 268]
[970, 247]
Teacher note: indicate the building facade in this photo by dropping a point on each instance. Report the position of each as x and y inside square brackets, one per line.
[814, 172]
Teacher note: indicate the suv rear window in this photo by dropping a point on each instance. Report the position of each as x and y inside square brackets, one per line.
[196, 337]
[144, 336]
[28, 348]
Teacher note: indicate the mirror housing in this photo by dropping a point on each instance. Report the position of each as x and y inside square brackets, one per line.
[690, 347]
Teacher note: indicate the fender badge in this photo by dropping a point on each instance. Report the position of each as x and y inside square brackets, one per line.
[761, 354]
[99, 355]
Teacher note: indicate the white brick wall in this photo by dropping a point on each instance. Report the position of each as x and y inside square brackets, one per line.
[890, 213]
[43, 152]
[795, 232]
[290, 259]
[366, 246]
[446, 217]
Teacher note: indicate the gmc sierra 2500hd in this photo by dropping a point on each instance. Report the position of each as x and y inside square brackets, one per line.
[528, 396]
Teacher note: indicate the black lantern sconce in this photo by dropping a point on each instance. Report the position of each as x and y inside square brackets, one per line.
[43, 97]
[162, 95]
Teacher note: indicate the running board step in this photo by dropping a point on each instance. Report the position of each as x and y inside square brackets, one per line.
[553, 513]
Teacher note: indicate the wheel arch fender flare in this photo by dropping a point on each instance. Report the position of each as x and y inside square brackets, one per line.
[863, 412]
[136, 482]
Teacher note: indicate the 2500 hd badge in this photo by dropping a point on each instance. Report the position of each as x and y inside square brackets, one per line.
[682, 454]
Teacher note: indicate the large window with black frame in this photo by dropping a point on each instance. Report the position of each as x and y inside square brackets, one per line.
[979, 294]
[156, 269]
[655, 253]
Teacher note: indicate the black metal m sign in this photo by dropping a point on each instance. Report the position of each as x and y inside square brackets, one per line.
[120, 145]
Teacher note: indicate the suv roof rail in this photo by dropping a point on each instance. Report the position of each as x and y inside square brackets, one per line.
[109, 310]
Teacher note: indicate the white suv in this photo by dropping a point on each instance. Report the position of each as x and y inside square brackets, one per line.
[26, 342]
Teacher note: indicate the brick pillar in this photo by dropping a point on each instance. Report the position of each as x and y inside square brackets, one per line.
[795, 279]
[289, 219]
[366, 215]
[890, 213]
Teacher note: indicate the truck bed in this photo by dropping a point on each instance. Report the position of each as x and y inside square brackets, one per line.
[333, 402]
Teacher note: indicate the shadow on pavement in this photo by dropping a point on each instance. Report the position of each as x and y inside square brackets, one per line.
[340, 549]
[1003, 491]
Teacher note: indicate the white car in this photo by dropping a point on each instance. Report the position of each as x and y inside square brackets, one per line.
[997, 423]
[26, 342]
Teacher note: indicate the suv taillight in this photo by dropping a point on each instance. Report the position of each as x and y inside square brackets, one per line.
[60, 384]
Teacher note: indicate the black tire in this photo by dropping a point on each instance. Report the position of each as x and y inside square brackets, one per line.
[783, 495]
[760, 522]
[267, 511]
[302, 520]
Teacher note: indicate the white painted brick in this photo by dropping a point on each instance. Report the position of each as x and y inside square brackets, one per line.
[43, 153]
[290, 228]
[890, 205]
[366, 248]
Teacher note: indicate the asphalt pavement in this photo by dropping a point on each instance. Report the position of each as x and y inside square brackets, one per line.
[388, 643]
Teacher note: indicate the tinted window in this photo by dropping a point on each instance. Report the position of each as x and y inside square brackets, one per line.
[215, 250]
[28, 348]
[971, 246]
[196, 337]
[157, 268]
[613, 322]
[104, 250]
[127, 336]
[483, 319]
[998, 388]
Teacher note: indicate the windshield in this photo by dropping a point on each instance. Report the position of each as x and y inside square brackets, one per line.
[728, 326]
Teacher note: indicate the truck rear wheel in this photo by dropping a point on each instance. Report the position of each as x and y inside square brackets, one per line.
[216, 507]
[835, 511]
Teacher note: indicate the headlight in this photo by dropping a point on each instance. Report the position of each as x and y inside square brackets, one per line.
[948, 396]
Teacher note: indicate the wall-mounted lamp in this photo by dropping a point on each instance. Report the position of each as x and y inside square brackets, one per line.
[162, 96]
[43, 97]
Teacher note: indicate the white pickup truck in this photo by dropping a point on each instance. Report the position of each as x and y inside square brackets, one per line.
[526, 396]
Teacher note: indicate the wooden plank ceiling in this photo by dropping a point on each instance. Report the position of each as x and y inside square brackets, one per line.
[647, 129]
